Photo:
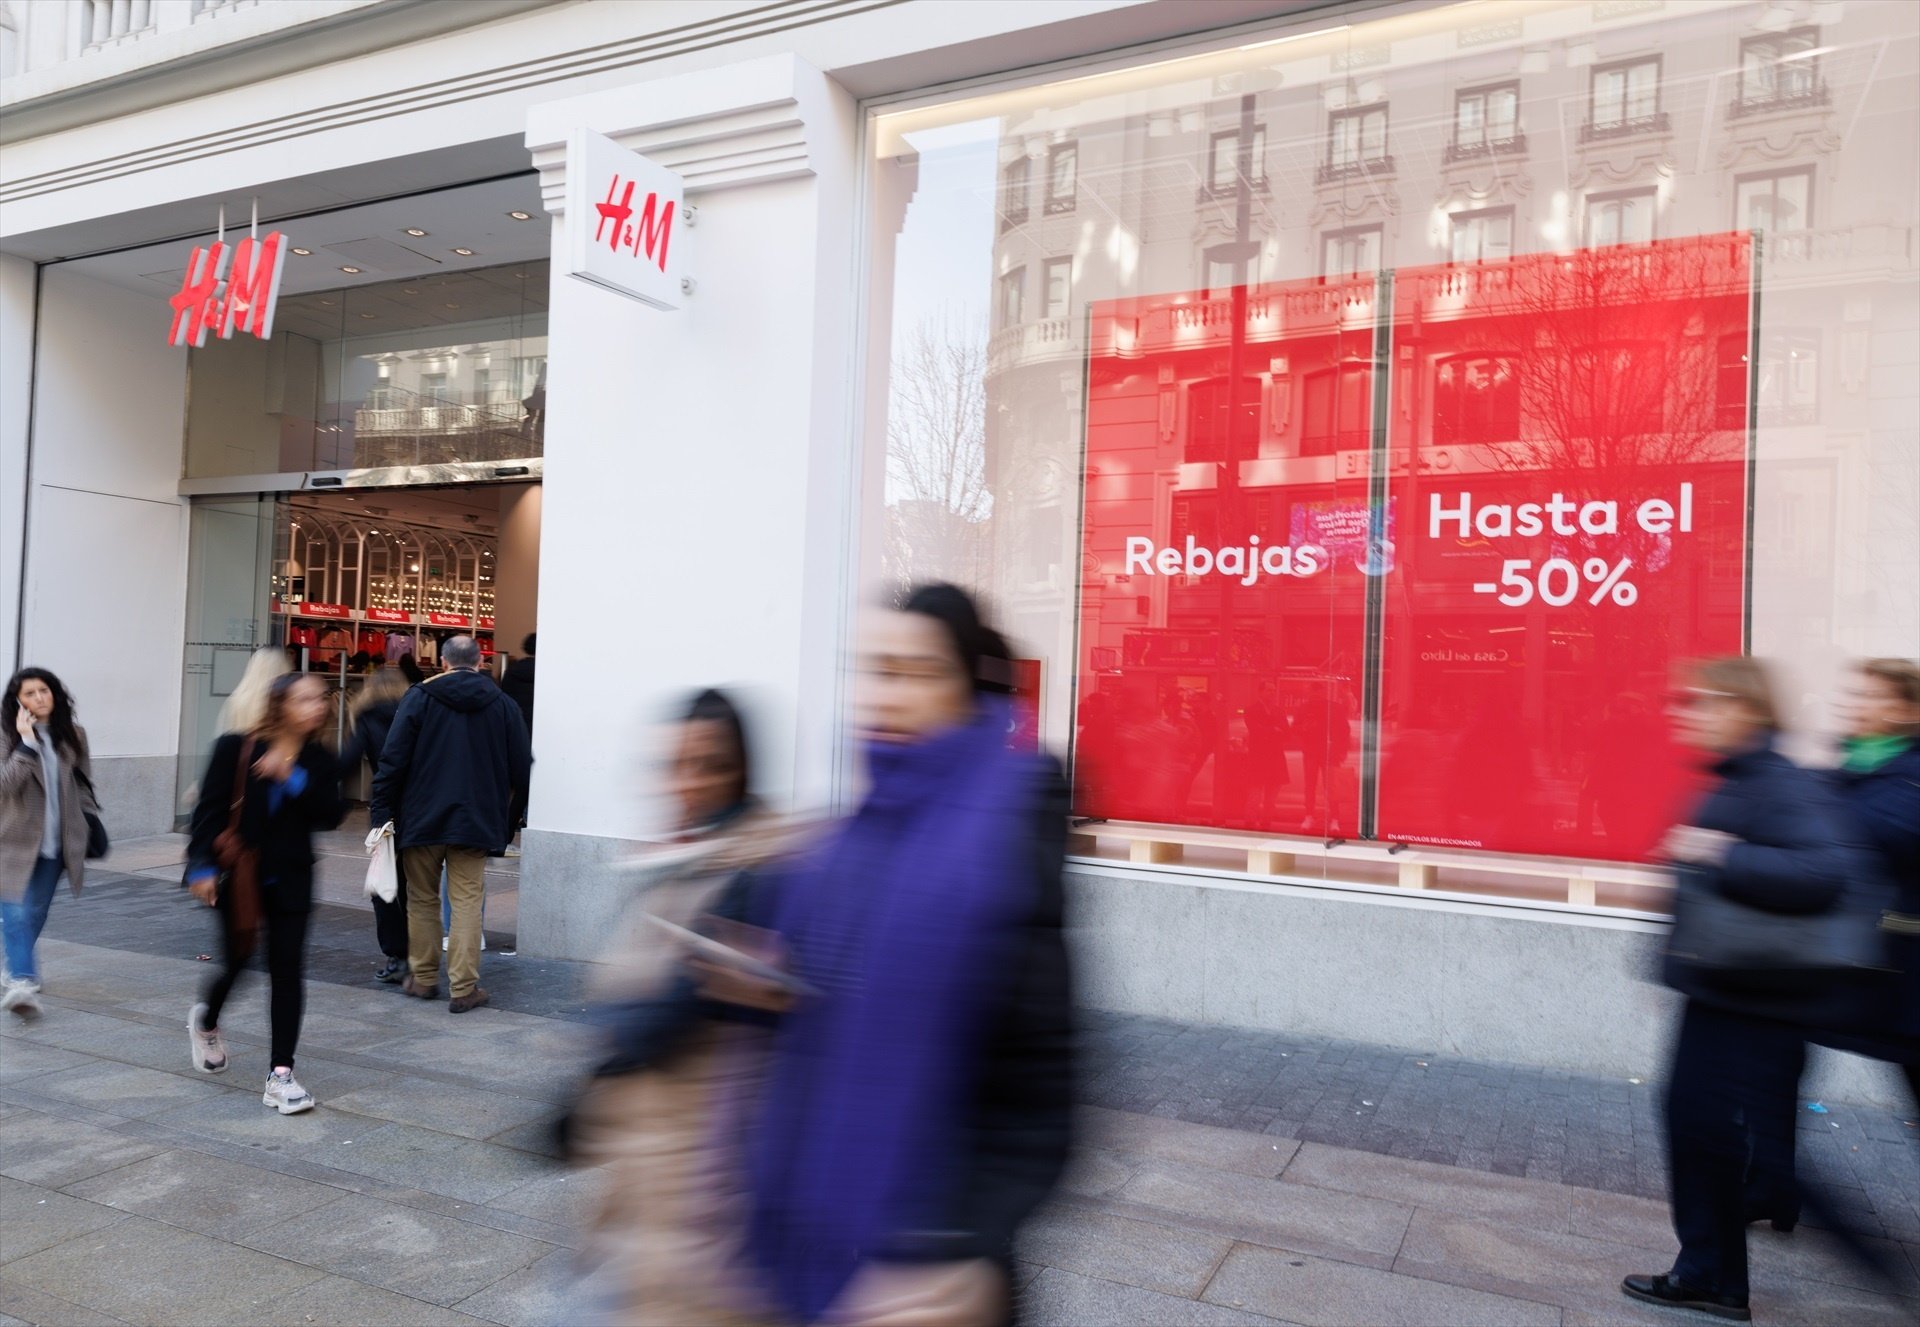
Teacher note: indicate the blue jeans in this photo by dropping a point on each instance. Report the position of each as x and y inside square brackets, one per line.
[23, 921]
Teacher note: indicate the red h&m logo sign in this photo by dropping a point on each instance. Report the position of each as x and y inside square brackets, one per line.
[623, 234]
[210, 300]
[621, 211]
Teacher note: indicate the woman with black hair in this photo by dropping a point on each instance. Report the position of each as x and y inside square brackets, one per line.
[660, 1244]
[46, 794]
[264, 794]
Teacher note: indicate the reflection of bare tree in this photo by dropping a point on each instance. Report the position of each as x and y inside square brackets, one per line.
[938, 500]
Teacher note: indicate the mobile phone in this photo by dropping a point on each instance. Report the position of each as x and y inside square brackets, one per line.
[728, 957]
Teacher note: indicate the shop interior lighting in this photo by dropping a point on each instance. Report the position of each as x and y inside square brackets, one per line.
[521, 216]
[415, 231]
[464, 253]
[304, 253]
[351, 271]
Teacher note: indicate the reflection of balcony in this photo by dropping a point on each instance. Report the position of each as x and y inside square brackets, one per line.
[1332, 172]
[442, 432]
[1031, 343]
[1868, 250]
[1794, 99]
[1605, 131]
[1512, 146]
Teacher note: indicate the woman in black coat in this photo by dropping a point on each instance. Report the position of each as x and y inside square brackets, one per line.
[1772, 837]
[373, 711]
[285, 786]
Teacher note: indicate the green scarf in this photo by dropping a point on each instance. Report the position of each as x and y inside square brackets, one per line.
[1864, 755]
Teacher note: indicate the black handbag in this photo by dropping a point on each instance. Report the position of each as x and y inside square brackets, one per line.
[98, 844]
[1732, 944]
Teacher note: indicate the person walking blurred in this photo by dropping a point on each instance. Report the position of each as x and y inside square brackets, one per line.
[1768, 839]
[920, 1102]
[250, 856]
[453, 779]
[517, 681]
[372, 718]
[662, 1109]
[1879, 779]
[246, 704]
[46, 794]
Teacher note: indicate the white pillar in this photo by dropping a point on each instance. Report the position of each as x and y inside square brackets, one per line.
[699, 466]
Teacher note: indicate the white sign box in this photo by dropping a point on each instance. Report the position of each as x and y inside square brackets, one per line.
[625, 216]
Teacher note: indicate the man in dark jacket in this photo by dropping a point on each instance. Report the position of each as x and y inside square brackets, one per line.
[517, 682]
[453, 778]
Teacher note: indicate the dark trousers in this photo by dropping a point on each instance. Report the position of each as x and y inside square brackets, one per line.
[390, 924]
[286, 934]
[1731, 1075]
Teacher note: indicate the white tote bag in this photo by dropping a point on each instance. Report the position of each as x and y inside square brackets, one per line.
[383, 865]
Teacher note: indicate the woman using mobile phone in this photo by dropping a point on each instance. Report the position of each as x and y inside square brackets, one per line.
[265, 792]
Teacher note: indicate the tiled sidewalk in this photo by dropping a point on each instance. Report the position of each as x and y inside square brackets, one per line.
[134, 1190]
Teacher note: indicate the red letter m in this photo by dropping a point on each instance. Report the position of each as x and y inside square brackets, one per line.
[255, 286]
[650, 232]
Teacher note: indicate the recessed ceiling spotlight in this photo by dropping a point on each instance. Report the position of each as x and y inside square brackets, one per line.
[464, 253]
[304, 253]
[327, 303]
[410, 290]
[351, 271]
[369, 315]
[521, 216]
[452, 306]
[415, 231]
[520, 276]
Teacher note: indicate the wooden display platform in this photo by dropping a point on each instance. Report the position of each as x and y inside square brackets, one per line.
[1413, 866]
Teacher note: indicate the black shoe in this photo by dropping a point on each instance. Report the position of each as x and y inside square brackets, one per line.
[1663, 1289]
[1782, 1220]
[392, 973]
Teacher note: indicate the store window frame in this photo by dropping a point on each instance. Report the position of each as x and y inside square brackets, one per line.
[1613, 197]
[1627, 124]
[1052, 267]
[1060, 201]
[1512, 143]
[1010, 297]
[1773, 177]
[1751, 100]
[1339, 165]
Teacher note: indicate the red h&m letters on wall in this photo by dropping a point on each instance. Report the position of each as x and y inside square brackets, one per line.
[210, 300]
[1450, 624]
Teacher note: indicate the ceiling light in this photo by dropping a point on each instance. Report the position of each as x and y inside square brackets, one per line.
[451, 306]
[351, 271]
[415, 231]
[369, 315]
[410, 290]
[464, 253]
[521, 216]
[304, 253]
[327, 302]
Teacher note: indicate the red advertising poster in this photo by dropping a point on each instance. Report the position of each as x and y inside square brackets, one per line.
[1226, 538]
[1568, 453]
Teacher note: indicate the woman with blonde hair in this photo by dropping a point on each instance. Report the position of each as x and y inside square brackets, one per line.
[247, 706]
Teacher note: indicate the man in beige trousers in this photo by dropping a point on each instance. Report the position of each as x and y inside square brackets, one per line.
[453, 779]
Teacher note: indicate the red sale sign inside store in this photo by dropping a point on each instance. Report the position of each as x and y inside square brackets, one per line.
[1450, 622]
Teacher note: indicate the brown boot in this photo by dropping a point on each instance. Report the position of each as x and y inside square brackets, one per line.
[473, 999]
[411, 987]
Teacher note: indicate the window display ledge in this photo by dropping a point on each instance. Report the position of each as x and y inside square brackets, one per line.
[1508, 881]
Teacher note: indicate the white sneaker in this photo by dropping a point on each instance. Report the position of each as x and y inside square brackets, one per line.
[22, 998]
[209, 1052]
[286, 1095]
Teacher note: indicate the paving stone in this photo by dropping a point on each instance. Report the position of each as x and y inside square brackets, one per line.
[1817, 1255]
[538, 1296]
[439, 1259]
[1113, 1248]
[129, 1090]
[54, 1153]
[33, 1218]
[1095, 1173]
[1317, 1292]
[1062, 1299]
[1644, 1222]
[433, 1162]
[207, 1194]
[562, 1199]
[464, 1111]
[1544, 1206]
[24, 1304]
[138, 1270]
[23, 1060]
[1294, 1216]
[1545, 1265]
[536, 1137]
[1194, 1144]
[239, 1118]
[336, 1300]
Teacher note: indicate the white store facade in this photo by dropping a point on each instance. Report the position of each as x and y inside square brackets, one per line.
[893, 209]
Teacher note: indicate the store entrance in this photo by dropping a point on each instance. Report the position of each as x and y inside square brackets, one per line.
[352, 586]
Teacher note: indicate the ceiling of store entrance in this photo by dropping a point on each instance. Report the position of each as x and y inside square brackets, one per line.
[375, 238]
[518, 290]
[469, 509]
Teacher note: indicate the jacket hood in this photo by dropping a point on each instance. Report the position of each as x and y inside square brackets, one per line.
[463, 690]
